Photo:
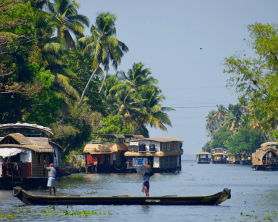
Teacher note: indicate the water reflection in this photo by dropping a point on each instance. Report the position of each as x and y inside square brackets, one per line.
[145, 208]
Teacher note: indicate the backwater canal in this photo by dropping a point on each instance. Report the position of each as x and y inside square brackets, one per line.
[254, 196]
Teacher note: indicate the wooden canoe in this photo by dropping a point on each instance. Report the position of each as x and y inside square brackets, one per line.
[31, 199]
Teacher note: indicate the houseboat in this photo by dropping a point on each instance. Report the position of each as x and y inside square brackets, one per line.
[219, 155]
[160, 154]
[241, 158]
[106, 154]
[266, 157]
[23, 149]
[203, 157]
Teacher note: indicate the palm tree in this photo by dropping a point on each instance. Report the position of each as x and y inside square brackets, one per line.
[137, 76]
[104, 45]
[221, 112]
[233, 117]
[212, 123]
[125, 103]
[67, 19]
[153, 112]
[51, 49]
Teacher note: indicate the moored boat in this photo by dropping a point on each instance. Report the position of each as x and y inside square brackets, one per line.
[203, 157]
[24, 148]
[106, 154]
[219, 155]
[160, 154]
[31, 199]
[266, 157]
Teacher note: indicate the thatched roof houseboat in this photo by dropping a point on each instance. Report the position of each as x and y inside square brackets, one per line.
[160, 154]
[219, 155]
[242, 158]
[106, 154]
[23, 149]
[266, 157]
[203, 157]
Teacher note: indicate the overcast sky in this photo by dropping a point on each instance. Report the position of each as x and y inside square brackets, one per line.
[184, 43]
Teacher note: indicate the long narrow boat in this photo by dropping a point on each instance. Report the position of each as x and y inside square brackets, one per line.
[31, 199]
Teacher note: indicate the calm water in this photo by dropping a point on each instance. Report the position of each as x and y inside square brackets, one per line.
[254, 196]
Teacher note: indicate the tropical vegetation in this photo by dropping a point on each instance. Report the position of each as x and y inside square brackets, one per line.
[53, 75]
[244, 126]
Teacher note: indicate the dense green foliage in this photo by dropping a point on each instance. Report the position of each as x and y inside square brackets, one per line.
[255, 79]
[230, 128]
[114, 125]
[50, 74]
[245, 126]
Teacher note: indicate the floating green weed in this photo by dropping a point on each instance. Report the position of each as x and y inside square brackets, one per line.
[91, 192]
[85, 213]
[272, 217]
[49, 212]
[8, 216]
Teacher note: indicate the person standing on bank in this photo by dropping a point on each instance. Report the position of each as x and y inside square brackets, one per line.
[51, 177]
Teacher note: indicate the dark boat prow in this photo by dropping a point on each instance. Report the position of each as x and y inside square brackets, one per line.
[31, 199]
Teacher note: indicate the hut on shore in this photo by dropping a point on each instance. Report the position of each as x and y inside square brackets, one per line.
[160, 154]
[266, 157]
[23, 149]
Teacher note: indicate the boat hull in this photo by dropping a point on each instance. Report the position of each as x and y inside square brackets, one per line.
[31, 199]
[8, 183]
[219, 162]
[265, 167]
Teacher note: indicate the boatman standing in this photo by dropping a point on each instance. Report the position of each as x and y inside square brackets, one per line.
[51, 177]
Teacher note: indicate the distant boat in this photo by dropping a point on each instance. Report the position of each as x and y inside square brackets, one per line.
[31, 199]
[203, 157]
[266, 157]
[219, 155]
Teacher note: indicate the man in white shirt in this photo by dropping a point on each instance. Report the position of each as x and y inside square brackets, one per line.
[51, 177]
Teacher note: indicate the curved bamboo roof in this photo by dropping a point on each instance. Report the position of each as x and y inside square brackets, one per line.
[104, 148]
[269, 144]
[204, 153]
[46, 130]
[165, 139]
[262, 151]
[17, 140]
[159, 154]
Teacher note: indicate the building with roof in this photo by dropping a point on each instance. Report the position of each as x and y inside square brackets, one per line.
[23, 150]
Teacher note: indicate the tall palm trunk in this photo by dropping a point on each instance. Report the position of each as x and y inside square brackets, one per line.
[138, 126]
[87, 85]
[103, 81]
